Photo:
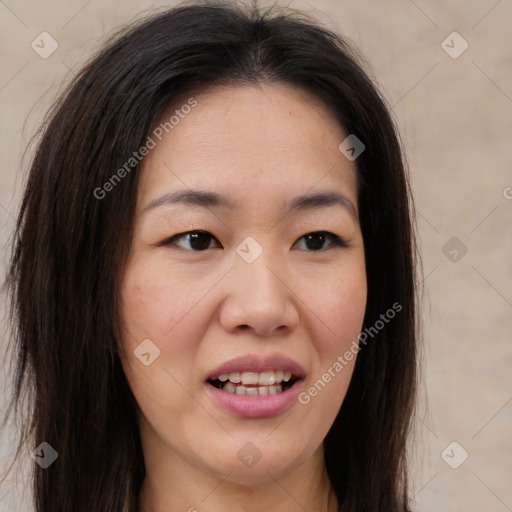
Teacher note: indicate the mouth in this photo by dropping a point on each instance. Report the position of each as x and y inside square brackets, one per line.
[268, 382]
[255, 385]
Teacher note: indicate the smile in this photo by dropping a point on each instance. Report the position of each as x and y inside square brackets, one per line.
[256, 386]
[269, 382]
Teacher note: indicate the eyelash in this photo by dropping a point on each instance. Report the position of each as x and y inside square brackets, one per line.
[336, 240]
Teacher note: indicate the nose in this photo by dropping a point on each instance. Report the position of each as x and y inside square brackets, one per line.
[259, 299]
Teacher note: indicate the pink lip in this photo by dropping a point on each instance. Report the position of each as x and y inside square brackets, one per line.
[259, 406]
[258, 363]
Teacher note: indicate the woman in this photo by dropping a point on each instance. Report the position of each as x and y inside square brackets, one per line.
[213, 276]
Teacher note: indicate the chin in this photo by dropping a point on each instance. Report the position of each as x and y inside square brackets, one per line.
[250, 466]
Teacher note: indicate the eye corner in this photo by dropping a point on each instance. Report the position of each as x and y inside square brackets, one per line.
[166, 241]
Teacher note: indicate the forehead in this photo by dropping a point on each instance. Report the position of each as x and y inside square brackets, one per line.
[255, 139]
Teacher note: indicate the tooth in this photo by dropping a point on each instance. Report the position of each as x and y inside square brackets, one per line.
[240, 390]
[249, 378]
[279, 388]
[263, 390]
[229, 387]
[272, 390]
[266, 378]
[251, 391]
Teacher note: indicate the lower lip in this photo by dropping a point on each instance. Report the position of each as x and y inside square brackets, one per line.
[259, 406]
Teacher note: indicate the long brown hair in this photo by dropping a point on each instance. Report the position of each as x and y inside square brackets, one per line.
[69, 246]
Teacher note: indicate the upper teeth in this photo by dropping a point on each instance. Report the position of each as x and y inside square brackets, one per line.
[266, 378]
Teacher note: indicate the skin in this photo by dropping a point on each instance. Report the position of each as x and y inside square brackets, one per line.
[261, 146]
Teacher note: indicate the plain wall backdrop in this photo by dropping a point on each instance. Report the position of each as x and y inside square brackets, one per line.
[451, 94]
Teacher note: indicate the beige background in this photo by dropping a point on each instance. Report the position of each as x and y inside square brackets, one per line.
[455, 115]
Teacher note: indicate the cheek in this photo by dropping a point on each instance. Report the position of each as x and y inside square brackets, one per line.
[152, 308]
[338, 302]
[161, 302]
[155, 298]
[337, 311]
[346, 306]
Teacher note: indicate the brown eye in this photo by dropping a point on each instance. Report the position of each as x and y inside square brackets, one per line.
[316, 241]
[197, 240]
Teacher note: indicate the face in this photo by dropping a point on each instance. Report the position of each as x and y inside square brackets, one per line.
[237, 304]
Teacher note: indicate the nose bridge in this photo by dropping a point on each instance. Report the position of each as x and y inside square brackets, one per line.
[257, 294]
[256, 268]
[259, 278]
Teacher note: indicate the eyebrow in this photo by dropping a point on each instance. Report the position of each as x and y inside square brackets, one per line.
[208, 199]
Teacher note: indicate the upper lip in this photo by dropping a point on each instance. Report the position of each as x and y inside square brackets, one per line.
[258, 363]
